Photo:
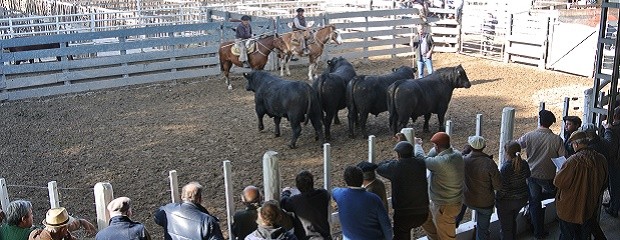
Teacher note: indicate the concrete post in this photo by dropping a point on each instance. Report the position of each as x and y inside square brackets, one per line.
[506, 130]
[371, 148]
[52, 189]
[479, 124]
[174, 187]
[449, 127]
[4, 195]
[271, 176]
[103, 195]
[230, 201]
[409, 134]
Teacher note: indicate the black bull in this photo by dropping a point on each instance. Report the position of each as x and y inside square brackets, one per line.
[368, 94]
[421, 97]
[331, 87]
[279, 98]
[37, 47]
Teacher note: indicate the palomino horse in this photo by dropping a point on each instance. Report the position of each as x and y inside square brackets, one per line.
[257, 59]
[315, 49]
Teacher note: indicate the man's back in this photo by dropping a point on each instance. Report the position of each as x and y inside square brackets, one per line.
[121, 227]
[447, 175]
[481, 179]
[12, 232]
[187, 221]
[245, 222]
[409, 184]
[310, 209]
[361, 214]
[541, 145]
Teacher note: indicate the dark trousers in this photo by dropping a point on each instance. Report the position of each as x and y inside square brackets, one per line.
[540, 189]
[404, 222]
[614, 189]
[507, 211]
[573, 231]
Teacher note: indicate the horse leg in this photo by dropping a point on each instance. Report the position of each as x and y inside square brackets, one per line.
[225, 67]
[287, 64]
[311, 68]
[276, 121]
[282, 64]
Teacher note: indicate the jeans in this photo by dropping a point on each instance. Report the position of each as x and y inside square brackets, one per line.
[507, 212]
[573, 231]
[483, 221]
[539, 189]
[404, 222]
[424, 62]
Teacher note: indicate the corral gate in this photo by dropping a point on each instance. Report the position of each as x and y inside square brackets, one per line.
[572, 48]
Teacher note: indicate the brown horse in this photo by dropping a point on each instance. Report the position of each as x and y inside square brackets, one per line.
[316, 44]
[257, 59]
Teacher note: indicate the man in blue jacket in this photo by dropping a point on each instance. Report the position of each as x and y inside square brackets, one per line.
[121, 227]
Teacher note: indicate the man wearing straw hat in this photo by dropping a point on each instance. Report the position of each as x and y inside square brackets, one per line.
[56, 223]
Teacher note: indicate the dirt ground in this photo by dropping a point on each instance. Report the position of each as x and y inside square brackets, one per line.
[132, 137]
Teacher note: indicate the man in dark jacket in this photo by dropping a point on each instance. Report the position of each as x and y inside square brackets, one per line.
[409, 189]
[371, 182]
[571, 124]
[481, 181]
[188, 220]
[612, 139]
[244, 221]
[310, 208]
[243, 33]
[121, 227]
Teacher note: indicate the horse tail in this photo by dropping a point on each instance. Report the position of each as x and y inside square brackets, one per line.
[391, 104]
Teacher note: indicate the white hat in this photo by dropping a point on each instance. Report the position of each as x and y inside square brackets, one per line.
[119, 206]
[476, 142]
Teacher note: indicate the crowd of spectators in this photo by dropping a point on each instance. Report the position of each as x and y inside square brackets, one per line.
[430, 189]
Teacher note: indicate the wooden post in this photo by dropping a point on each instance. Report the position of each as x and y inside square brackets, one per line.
[174, 187]
[103, 195]
[409, 134]
[4, 195]
[479, 124]
[371, 148]
[271, 176]
[564, 114]
[230, 202]
[449, 127]
[52, 189]
[327, 166]
[506, 131]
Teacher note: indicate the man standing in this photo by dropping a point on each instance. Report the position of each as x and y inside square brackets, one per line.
[121, 227]
[423, 47]
[580, 182]
[445, 188]
[409, 189]
[19, 221]
[362, 215]
[541, 145]
[243, 33]
[244, 221]
[481, 181]
[612, 139]
[189, 219]
[310, 208]
[571, 124]
[371, 182]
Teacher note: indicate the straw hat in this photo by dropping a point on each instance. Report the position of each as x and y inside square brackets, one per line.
[57, 217]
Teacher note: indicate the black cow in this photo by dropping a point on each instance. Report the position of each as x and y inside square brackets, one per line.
[424, 96]
[37, 47]
[367, 94]
[331, 87]
[279, 98]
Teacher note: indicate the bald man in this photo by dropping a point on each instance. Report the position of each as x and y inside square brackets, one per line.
[244, 221]
[189, 219]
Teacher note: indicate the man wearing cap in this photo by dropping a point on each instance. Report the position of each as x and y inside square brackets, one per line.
[580, 182]
[611, 138]
[310, 206]
[409, 189]
[121, 227]
[481, 181]
[189, 219]
[445, 188]
[371, 182]
[19, 221]
[571, 124]
[540, 146]
[299, 25]
[244, 221]
[243, 33]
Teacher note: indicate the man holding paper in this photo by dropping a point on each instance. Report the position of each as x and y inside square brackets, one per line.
[580, 183]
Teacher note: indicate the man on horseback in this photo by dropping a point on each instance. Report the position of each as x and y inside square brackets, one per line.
[299, 26]
[244, 32]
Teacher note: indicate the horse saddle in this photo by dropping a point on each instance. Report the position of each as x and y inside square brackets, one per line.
[251, 47]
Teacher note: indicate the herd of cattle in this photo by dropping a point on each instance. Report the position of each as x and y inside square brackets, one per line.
[339, 87]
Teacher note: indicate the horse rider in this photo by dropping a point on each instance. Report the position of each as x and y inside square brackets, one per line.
[299, 25]
[244, 32]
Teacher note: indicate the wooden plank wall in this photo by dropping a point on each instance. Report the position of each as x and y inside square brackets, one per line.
[121, 58]
[527, 40]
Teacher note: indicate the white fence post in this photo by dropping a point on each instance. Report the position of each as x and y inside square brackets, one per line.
[103, 195]
[479, 124]
[409, 134]
[230, 202]
[506, 131]
[371, 148]
[449, 127]
[174, 186]
[52, 189]
[271, 176]
[4, 195]
[327, 166]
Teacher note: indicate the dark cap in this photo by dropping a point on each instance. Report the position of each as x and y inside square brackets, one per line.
[300, 10]
[246, 18]
[546, 118]
[404, 147]
[574, 119]
[367, 166]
